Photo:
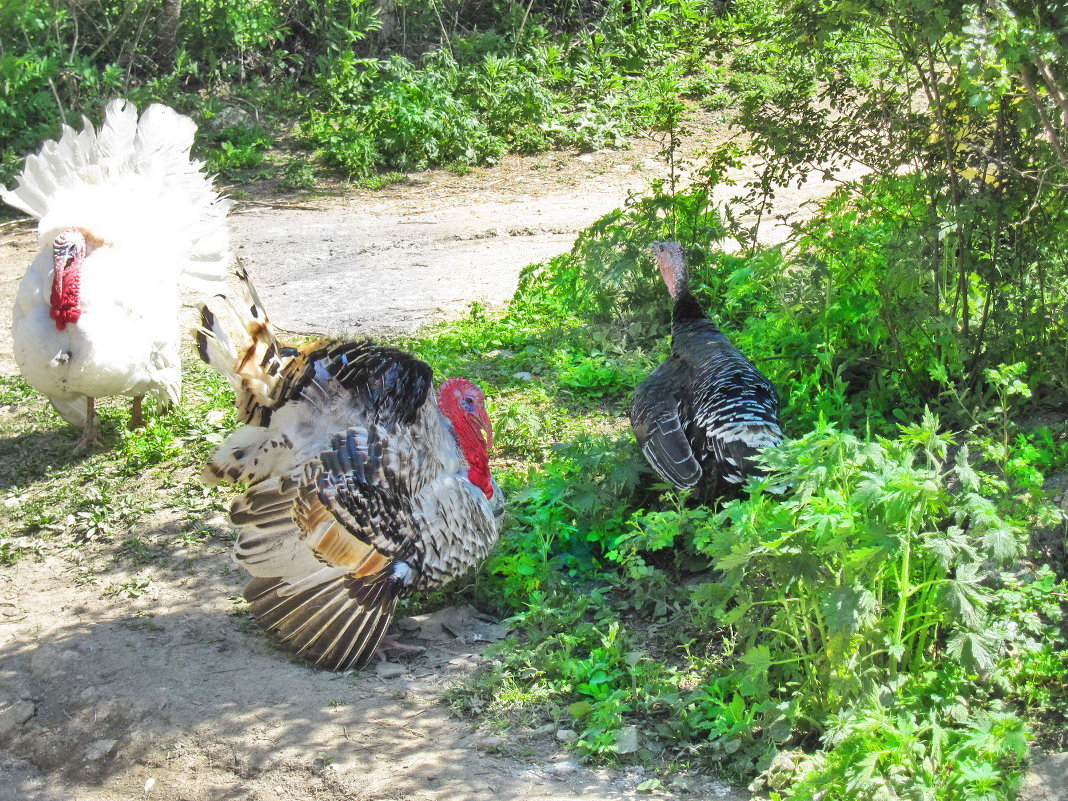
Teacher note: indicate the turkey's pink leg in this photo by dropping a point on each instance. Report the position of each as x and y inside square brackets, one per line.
[137, 418]
[88, 437]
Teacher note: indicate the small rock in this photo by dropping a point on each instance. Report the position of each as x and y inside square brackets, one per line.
[149, 784]
[11, 503]
[488, 742]
[682, 783]
[228, 117]
[15, 714]
[216, 522]
[585, 157]
[627, 740]
[523, 376]
[561, 770]
[48, 661]
[390, 670]
[566, 735]
[452, 623]
[99, 749]
[500, 354]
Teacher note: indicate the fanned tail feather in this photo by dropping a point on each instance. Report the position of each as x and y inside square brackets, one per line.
[336, 624]
[255, 367]
[133, 182]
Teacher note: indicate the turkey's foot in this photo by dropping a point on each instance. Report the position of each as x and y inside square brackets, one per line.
[89, 437]
[391, 647]
[137, 417]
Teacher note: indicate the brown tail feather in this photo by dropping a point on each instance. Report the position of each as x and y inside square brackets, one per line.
[337, 625]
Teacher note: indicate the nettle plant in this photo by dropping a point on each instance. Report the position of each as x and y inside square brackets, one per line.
[875, 562]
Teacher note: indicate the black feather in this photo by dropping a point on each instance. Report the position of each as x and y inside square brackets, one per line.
[371, 502]
[703, 415]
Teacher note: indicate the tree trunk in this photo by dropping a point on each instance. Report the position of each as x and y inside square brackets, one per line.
[389, 16]
[167, 38]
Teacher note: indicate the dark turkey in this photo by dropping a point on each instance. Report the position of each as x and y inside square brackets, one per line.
[365, 485]
[702, 415]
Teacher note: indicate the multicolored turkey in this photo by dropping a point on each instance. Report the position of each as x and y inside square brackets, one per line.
[702, 415]
[364, 484]
[125, 219]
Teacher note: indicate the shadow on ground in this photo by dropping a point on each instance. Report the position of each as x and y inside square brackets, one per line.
[114, 675]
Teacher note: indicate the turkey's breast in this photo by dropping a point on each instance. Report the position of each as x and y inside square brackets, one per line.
[124, 343]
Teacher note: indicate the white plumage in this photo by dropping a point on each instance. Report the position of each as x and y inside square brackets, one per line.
[125, 219]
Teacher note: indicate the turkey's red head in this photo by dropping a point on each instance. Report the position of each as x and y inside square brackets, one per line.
[68, 253]
[672, 263]
[465, 406]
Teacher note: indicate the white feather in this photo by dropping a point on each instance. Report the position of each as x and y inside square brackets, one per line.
[152, 222]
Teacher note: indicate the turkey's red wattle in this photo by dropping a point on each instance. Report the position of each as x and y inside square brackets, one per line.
[474, 448]
[68, 252]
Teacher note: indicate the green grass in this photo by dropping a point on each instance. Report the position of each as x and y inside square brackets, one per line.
[54, 499]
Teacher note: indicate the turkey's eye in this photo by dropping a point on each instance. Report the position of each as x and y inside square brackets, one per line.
[469, 403]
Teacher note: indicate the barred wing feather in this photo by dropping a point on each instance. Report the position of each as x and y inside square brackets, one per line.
[655, 415]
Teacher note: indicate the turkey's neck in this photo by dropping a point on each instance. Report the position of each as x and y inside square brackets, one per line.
[690, 327]
[686, 306]
[68, 254]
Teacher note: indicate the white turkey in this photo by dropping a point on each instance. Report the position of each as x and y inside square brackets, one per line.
[365, 485]
[124, 219]
[702, 415]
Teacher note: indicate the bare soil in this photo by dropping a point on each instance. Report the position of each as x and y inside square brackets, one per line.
[125, 678]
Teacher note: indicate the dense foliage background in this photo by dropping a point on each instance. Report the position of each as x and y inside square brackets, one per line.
[365, 85]
[889, 627]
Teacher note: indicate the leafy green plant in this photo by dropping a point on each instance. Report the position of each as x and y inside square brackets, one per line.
[297, 175]
[238, 149]
[869, 564]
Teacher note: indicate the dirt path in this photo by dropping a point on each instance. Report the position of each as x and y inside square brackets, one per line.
[135, 676]
[390, 262]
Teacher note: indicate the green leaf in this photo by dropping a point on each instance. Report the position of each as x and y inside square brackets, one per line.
[580, 709]
[848, 609]
[757, 659]
[974, 650]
